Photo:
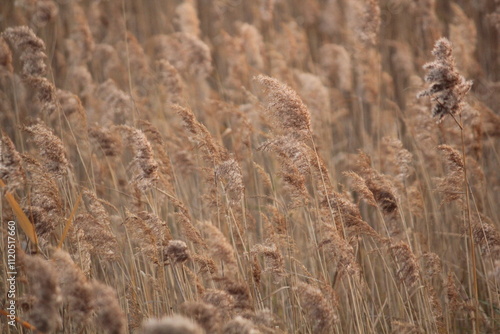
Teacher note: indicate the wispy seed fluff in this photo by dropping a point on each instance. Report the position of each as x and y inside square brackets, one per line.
[231, 173]
[77, 291]
[109, 316]
[285, 106]
[218, 246]
[31, 47]
[176, 251]
[451, 185]
[408, 268]
[11, 171]
[320, 314]
[448, 88]
[175, 324]
[44, 287]
[5, 57]
[51, 149]
[146, 166]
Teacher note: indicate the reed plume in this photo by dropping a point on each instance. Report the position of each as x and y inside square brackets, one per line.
[146, 167]
[44, 287]
[76, 290]
[285, 106]
[109, 315]
[448, 88]
[51, 149]
[11, 170]
[175, 324]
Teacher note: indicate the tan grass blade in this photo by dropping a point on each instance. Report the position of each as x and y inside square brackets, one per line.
[23, 323]
[24, 222]
[69, 220]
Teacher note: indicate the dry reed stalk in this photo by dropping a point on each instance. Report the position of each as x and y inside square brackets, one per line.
[399, 160]
[92, 231]
[337, 247]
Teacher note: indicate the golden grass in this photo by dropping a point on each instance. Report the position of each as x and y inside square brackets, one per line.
[227, 166]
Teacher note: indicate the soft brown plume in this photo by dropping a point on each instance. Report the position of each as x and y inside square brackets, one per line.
[285, 106]
[176, 251]
[146, 167]
[31, 47]
[109, 315]
[76, 290]
[448, 88]
[11, 170]
[206, 315]
[319, 313]
[451, 185]
[51, 149]
[175, 324]
[408, 269]
[44, 287]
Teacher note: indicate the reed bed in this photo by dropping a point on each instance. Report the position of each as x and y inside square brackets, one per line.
[226, 166]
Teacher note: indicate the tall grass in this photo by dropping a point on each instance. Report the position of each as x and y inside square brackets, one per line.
[320, 166]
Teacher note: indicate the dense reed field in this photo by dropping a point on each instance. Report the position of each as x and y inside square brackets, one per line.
[231, 166]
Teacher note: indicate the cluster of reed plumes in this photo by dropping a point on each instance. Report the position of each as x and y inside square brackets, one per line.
[227, 166]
